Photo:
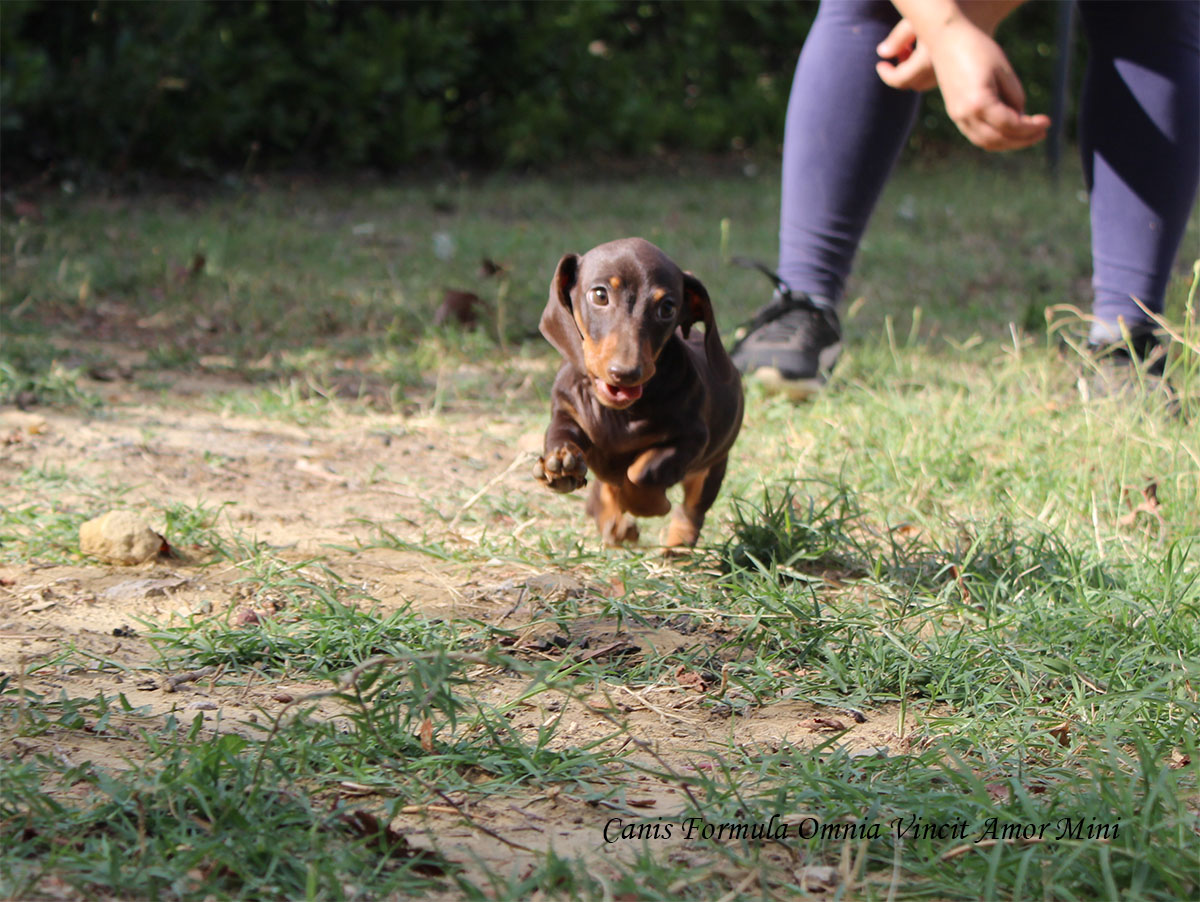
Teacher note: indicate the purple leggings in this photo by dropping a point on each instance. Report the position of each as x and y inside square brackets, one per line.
[1139, 136]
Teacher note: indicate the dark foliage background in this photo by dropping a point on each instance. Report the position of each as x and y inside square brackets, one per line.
[203, 87]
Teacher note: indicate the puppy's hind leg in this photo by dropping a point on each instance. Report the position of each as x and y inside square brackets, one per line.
[616, 526]
[699, 492]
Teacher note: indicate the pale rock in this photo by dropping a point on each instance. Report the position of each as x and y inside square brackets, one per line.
[119, 537]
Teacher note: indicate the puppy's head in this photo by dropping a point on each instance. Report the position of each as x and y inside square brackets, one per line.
[612, 310]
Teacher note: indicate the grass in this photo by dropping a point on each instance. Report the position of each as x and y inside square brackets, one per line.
[196, 816]
[949, 536]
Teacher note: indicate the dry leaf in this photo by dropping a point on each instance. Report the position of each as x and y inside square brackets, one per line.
[459, 308]
[27, 209]
[1062, 733]
[489, 268]
[817, 878]
[249, 617]
[613, 649]
[427, 735]
[600, 704]
[999, 792]
[689, 679]
[826, 724]
[314, 469]
[962, 586]
[1149, 505]
[390, 841]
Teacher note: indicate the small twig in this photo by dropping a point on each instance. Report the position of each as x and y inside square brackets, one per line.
[1161, 322]
[720, 693]
[172, 683]
[520, 598]
[661, 712]
[984, 844]
[523, 457]
[249, 683]
[736, 892]
[421, 809]
[470, 820]
[643, 744]
[894, 884]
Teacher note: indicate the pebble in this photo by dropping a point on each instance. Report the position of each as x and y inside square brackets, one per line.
[119, 537]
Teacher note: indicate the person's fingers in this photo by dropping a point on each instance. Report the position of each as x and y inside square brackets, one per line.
[1010, 90]
[999, 127]
[887, 74]
[913, 74]
[1014, 125]
[912, 69]
[899, 42]
[982, 93]
[983, 135]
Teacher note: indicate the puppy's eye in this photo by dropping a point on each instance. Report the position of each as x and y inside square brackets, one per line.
[598, 296]
[666, 309]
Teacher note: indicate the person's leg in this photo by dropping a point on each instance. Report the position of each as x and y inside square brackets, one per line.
[845, 129]
[1140, 141]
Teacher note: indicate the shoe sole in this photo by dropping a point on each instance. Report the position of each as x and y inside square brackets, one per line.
[773, 381]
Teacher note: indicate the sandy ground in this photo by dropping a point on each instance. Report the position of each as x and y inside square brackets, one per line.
[312, 492]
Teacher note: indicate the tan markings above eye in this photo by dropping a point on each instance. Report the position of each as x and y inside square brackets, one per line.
[615, 281]
[658, 295]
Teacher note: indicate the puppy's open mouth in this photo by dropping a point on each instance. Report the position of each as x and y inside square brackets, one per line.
[617, 395]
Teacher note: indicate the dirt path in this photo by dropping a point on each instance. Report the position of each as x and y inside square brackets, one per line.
[314, 493]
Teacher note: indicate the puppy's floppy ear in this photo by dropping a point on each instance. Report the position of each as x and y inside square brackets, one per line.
[558, 320]
[697, 308]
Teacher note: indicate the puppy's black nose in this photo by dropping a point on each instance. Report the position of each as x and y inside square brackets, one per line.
[624, 375]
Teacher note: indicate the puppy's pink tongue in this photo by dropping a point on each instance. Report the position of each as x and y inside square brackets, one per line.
[623, 394]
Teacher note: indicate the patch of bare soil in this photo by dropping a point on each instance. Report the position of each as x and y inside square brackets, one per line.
[314, 493]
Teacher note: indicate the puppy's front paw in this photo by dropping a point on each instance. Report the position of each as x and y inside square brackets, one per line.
[562, 470]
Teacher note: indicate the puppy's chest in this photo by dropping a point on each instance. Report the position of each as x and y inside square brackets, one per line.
[619, 436]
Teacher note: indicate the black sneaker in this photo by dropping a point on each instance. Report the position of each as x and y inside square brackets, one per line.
[1140, 344]
[1130, 365]
[791, 344]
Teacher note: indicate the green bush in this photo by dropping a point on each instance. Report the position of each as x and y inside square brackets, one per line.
[198, 86]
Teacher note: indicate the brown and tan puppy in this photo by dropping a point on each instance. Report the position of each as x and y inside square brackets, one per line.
[640, 400]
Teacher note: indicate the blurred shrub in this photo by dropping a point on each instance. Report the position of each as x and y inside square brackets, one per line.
[201, 86]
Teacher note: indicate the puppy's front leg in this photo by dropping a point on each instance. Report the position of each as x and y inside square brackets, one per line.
[665, 465]
[563, 467]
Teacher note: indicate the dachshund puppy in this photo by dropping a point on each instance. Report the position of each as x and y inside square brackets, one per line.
[640, 400]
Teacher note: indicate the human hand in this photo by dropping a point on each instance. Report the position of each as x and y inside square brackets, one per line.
[982, 93]
[913, 70]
